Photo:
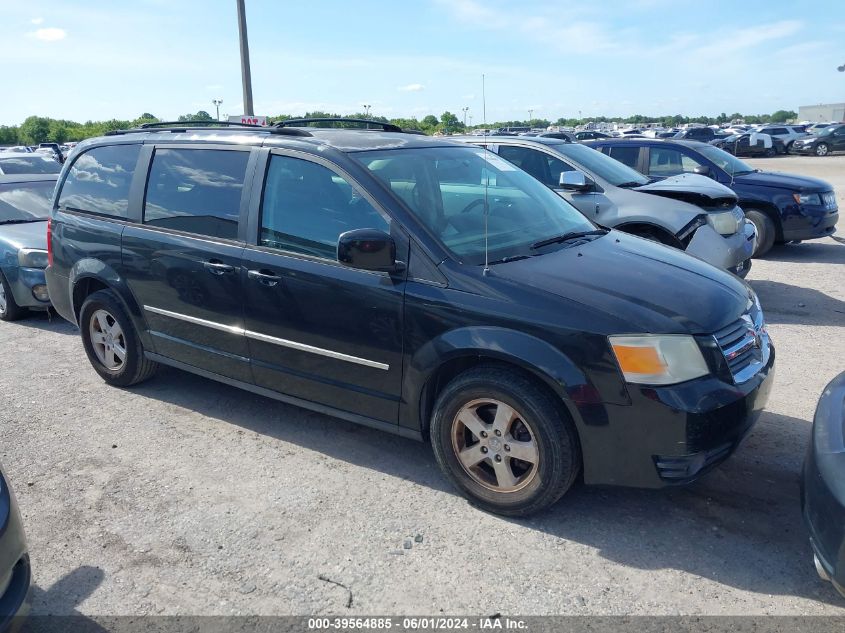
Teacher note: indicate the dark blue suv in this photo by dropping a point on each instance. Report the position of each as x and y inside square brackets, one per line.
[783, 207]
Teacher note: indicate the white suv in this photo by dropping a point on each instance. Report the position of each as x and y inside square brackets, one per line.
[787, 133]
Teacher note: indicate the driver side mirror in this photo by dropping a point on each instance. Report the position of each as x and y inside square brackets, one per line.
[368, 249]
[575, 181]
[702, 170]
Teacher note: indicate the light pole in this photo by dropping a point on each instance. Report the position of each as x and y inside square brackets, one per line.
[465, 109]
[530, 112]
[366, 109]
[470, 120]
[217, 103]
[246, 75]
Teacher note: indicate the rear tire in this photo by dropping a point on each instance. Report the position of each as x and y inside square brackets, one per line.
[487, 416]
[111, 342]
[9, 308]
[766, 231]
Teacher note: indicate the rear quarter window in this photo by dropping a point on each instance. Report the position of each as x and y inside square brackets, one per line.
[98, 181]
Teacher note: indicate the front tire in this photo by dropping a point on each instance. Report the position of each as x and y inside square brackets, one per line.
[9, 308]
[766, 231]
[504, 442]
[111, 342]
[822, 149]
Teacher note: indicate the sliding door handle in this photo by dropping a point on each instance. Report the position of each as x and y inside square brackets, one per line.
[264, 276]
[216, 267]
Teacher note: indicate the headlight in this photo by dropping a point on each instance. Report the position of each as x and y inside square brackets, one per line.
[725, 223]
[658, 360]
[32, 258]
[807, 198]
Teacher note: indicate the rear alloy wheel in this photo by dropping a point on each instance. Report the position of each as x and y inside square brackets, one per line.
[822, 149]
[9, 309]
[111, 343]
[766, 231]
[504, 442]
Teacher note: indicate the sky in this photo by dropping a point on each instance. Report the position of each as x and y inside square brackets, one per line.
[94, 60]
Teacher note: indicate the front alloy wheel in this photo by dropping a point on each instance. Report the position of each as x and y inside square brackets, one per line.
[495, 445]
[504, 440]
[821, 149]
[108, 340]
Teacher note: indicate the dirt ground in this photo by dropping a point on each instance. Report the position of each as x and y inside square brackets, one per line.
[183, 496]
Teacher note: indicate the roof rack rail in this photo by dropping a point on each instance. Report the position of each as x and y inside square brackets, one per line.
[386, 127]
[211, 123]
[185, 126]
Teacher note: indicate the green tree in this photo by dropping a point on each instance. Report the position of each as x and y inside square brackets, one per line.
[450, 122]
[8, 135]
[429, 122]
[782, 116]
[35, 130]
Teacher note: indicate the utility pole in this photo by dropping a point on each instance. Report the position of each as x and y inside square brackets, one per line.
[246, 75]
[217, 103]
[465, 109]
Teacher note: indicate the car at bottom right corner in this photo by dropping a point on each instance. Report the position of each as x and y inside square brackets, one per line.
[14, 560]
[823, 485]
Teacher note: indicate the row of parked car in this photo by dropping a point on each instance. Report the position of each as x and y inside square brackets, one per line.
[508, 305]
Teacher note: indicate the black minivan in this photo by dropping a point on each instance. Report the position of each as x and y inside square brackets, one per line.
[412, 284]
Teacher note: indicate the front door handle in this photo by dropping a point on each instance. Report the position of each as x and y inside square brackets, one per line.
[263, 276]
[216, 267]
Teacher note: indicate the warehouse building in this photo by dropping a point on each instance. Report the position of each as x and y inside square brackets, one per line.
[822, 113]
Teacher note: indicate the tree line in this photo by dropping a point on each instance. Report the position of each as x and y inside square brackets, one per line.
[37, 129]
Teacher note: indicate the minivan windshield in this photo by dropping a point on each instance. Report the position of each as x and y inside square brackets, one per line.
[729, 163]
[448, 189]
[25, 201]
[602, 165]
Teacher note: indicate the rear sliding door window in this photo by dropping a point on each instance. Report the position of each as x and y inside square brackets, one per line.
[196, 191]
[98, 181]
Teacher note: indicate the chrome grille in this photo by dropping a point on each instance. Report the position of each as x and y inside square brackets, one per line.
[745, 344]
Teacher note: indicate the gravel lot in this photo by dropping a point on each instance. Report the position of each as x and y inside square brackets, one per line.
[183, 496]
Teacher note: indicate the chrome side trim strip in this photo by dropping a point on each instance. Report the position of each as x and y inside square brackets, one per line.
[258, 336]
[231, 329]
[302, 347]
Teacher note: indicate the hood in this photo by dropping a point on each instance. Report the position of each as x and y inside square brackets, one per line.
[639, 286]
[783, 181]
[693, 188]
[29, 235]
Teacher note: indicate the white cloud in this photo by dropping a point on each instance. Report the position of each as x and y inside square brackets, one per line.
[37, 21]
[412, 88]
[50, 34]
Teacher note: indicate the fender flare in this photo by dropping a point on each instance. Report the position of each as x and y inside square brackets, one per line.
[474, 345]
[94, 269]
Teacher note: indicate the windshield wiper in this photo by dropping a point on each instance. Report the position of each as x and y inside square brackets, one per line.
[509, 258]
[22, 221]
[566, 237]
[631, 183]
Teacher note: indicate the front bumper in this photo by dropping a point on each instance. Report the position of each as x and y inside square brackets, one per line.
[28, 284]
[803, 149]
[14, 561]
[823, 483]
[673, 435]
[809, 222]
[725, 252]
